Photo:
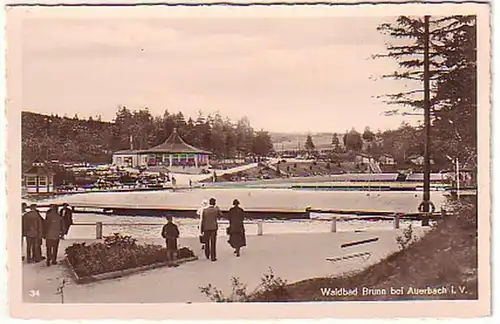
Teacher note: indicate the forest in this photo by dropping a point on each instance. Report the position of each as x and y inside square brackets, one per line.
[74, 140]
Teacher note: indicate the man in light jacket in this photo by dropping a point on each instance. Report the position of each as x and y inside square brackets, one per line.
[209, 228]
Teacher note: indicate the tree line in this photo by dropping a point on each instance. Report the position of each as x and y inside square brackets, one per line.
[401, 143]
[94, 141]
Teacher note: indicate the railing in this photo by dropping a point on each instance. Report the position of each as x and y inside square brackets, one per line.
[99, 226]
[396, 218]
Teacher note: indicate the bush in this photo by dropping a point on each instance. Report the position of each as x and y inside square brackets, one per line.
[270, 288]
[407, 239]
[116, 253]
[465, 213]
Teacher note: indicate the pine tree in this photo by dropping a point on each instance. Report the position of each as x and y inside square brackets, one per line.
[309, 145]
[453, 79]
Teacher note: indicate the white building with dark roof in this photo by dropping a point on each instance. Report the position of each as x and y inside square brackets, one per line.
[173, 153]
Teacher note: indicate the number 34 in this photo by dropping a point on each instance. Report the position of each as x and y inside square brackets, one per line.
[34, 293]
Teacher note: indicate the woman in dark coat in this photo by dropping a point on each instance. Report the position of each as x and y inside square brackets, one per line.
[236, 229]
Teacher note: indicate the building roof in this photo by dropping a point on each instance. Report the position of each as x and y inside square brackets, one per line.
[39, 170]
[173, 144]
[128, 152]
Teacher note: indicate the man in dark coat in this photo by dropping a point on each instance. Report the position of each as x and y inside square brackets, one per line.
[53, 229]
[170, 232]
[236, 228]
[67, 217]
[209, 228]
[33, 230]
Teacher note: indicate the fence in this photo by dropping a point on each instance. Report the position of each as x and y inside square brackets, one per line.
[396, 218]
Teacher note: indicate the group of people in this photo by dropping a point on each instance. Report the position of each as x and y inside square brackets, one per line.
[54, 227]
[209, 215]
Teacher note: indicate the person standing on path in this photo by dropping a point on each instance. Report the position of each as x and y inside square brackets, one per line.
[33, 230]
[67, 217]
[209, 228]
[24, 210]
[54, 228]
[236, 229]
[174, 183]
[199, 212]
[170, 232]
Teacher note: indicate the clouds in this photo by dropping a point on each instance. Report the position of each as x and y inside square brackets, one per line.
[300, 73]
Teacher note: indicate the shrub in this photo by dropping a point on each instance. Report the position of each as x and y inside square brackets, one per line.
[465, 213]
[270, 288]
[119, 240]
[407, 239]
[116, 253]
[238, 292]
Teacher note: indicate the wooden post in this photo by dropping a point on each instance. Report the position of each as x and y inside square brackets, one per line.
[427, 124]
[396, 220]
[259, 228]
[333, 229]
[98, 230]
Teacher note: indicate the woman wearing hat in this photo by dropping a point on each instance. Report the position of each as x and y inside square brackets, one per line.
[236, 229]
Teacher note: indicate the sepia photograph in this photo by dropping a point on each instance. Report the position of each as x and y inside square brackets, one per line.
[257, 155]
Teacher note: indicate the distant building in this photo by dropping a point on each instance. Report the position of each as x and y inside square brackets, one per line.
[173, 153]
[418, 159]
[364, 158]
[39, 178]
[387, 159]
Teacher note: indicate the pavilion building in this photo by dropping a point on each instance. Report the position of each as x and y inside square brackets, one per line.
[174, 153]
[39, 178]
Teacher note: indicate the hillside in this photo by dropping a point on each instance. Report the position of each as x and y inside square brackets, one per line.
[93, 141]
[62, 138]
[445, 257]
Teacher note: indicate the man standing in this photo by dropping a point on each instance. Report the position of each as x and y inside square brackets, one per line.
[33, 230]
[67, 218]
[54, 227]
[24, 207]
[170, 232]
[209, 228]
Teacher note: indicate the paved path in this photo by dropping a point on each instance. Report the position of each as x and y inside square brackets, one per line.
[291, 256]
[183, 179]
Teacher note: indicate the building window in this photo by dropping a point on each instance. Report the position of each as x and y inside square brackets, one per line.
[31, 181]
[42, 181]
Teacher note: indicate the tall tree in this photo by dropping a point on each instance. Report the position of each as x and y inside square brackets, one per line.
[262, 144]
[453, 78]
[336, 143]
[368, 135]
[309, 145]
[353, 141]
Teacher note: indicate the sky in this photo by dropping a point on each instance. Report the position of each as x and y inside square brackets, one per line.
[286, 74]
